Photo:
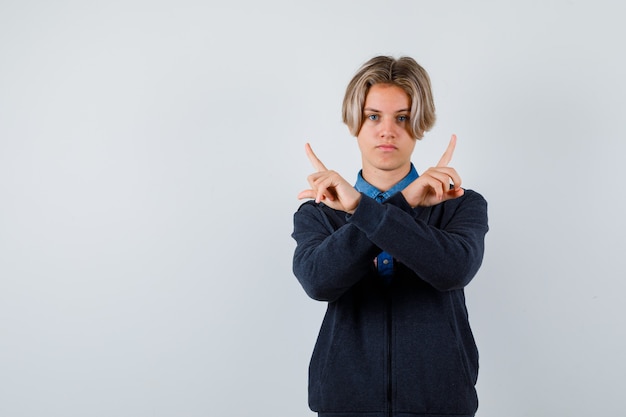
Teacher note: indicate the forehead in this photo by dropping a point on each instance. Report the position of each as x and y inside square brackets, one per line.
[387, 97]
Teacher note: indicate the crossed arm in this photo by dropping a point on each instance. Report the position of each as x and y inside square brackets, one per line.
[447, 255]
[442, 246]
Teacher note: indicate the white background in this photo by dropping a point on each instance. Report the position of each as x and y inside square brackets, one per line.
[150, 157]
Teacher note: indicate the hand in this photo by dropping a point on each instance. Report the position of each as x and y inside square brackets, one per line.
[329, 187]
[433, 186]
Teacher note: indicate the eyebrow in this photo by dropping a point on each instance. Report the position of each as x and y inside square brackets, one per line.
[378, 111]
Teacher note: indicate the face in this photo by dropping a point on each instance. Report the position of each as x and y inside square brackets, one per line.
[385, 143]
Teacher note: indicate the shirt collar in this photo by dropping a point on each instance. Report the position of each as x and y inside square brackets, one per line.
[369, 190]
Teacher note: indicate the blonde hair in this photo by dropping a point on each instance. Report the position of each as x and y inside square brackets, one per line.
[403, 72]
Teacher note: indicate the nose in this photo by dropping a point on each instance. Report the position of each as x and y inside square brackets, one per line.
[387, 128]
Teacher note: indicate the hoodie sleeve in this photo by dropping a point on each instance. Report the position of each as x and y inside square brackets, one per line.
[447, 255]
[329, 259]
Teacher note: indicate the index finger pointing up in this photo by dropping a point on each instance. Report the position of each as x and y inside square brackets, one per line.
[447, 155]
[317, 164]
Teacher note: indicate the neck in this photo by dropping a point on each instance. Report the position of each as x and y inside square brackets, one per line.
[384, 180]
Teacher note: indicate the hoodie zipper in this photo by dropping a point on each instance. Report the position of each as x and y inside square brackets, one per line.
[389, 358]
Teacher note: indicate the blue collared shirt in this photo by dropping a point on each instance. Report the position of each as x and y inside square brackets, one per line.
[384, 261]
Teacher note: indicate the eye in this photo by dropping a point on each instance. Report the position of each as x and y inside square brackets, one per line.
[403, 118]
[372, 117]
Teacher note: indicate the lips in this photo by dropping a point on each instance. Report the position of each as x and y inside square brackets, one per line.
[386, 148]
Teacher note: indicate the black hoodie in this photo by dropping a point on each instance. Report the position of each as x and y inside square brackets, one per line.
[403, 348]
